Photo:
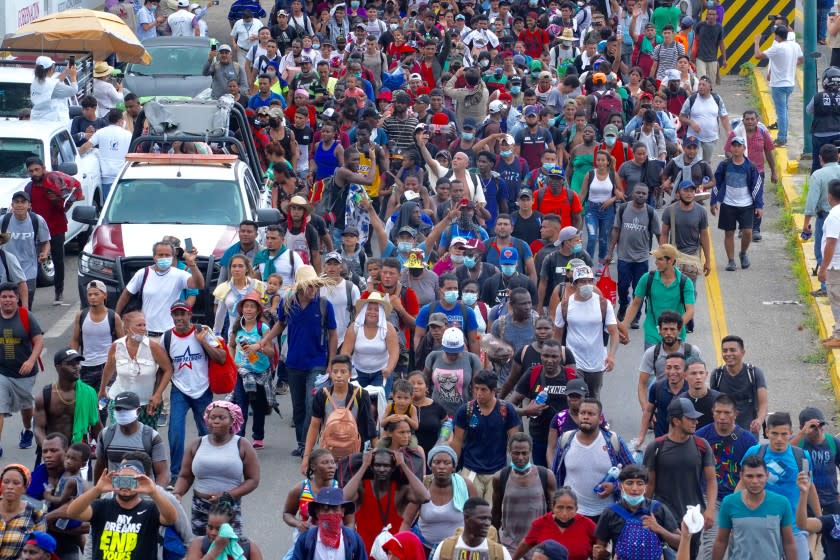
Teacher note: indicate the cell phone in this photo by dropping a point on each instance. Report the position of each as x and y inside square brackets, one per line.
[119, 482]
[213, 47]
[71, 60]
[188, 246]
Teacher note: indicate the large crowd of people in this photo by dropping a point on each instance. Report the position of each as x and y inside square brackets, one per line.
[472, 195]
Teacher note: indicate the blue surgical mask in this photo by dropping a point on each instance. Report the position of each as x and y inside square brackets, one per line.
[457, 259]
[547, 167]
[610, 141]
[470, 299]
[524, 469]
[515, 90]
[533, 3]
[467, 136]
[469, 262]
[354, 4]
[633, 500]
[577, 247]
[506, 153]
[316, 46]
[508, 269]
[164, 263]
[450, 296]
[405, 246]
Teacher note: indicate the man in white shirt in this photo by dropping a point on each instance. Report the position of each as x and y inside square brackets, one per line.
[481, 37]
[700, 113]
[342, 296]
[147, 21]
[784, 56]
[113, 142]
[159, 286]
[830, 267]
[584, 316]
[180, 22]
[244, 32]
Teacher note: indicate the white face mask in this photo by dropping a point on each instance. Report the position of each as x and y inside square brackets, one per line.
[136, 337]
[125, 417]
[586, 290]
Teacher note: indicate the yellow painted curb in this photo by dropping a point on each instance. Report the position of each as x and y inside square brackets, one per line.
[785, 169]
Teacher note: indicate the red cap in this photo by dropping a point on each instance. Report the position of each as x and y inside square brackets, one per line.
[385, 96]
[506, 97]
[440, 119]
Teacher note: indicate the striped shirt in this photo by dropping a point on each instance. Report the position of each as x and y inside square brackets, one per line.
[401, 131]
[666, 57]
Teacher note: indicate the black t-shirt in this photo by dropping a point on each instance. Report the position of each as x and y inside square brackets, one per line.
[124, 534]
[304, 135]
[556, 387]
[679, 470]
[430, 419]
[553, 270]
[527, 229]
[703, 404]
[497, 288]
[739, 388]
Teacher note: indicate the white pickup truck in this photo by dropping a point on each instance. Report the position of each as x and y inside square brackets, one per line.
[50, 141]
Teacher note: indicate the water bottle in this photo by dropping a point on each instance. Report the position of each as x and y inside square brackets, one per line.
[637, 453]
[62, 523]
[103, 403]
[542, 397]
[611, 477]
[445, 431]
[156, 149]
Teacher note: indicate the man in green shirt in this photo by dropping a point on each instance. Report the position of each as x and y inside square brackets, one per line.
[666, 288]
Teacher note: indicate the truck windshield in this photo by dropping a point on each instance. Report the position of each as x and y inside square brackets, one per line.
[13, 97]
[176, 201]
[13, 155]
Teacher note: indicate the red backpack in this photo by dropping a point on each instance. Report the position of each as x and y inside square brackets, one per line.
[608, 102]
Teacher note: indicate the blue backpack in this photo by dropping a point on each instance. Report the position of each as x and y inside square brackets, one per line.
[635, 541]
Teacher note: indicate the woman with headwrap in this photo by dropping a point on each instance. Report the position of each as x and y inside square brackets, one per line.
[18, 518]
[438, 518]
[372, 341]
[219, 463]
[410, 215]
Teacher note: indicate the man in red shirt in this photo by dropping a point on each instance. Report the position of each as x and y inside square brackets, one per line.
[536, 40]
[556, 198]
[52, 194]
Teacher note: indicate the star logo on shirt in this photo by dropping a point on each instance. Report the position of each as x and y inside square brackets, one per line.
[184, 360]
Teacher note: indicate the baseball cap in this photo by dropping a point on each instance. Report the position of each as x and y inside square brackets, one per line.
[516, 80]
[282, 13]
[525, 193]
[44, 61]
[553, 550]
[496, 106]
[686, 184]
[183, 3]
[577, 387]
[460, 16]
[691, 141]
[180, 304]
[423, 99]
[466, 203]
[407, 230]
[459, 241]
[264, 110]
[811, 413]
[568, 232]
[509, 140]
[666, 250]
[437, 319]
[66, 354]
[385, 95]
[687, 21]
[474, 244]
[611, 130]
[469, 124]
[570, 103]
[98, 284]
[22, 194]
[126, 401]
[44, 541]
[412, 195]
[334, 256]
[531, 110]
[738, 140]
[544, 74]
[682, 408]
[509, 255]
[415, 76]
[452, 340]
[225, 47]
[350, 230]
[673, 75]
[555, 172]
[305, 60]
[582, 273]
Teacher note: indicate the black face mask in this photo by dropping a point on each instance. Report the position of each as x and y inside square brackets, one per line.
[416, 272]
[273, 123]
[564, 524]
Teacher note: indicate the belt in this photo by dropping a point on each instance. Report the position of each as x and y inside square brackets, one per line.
[154, 334]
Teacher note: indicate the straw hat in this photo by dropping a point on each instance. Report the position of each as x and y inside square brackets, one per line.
[306, 277]
[374, 297]
[567, 35]
[298, 200]
[102, 69]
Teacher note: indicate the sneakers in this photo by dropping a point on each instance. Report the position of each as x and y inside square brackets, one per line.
[26, 437]
[282, 388]
[745, 260]
[172, 480]
[756, 235]
[163, 420]
[819, 293]
[634, 324]
[731, 266]
[59, 302]
[774, 126]
[258, 444]
[297, 452]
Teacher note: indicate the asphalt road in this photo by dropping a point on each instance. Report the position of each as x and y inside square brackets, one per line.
[747, 305]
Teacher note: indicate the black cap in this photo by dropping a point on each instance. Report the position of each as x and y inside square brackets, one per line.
[811, 413]
[66, 354]
[577, 387]
[681, 407]
[22, 194]
[126, 401]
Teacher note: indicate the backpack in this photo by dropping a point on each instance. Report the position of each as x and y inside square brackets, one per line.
[340, 435]
[536, 378]
[147, 435]
[4, 225]
[613, 448]
[719, 372]
[112, 323]
[798, 453]
[623, 208]
[324, 200]
[503, 324]
[542, 472]
[658, 348]
[693, 97]
[564, 310]
[473, 408]
[635, 541]
[135, 303]
[607, 103]
[649, 285]
[351, 309]
[699, 443]
[541, 195]
[447, 546]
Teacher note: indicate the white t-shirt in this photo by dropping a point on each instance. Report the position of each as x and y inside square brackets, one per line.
[337, 296]
[586, 466]
[189, 364]
[481, 551]
[782, 58]
[831, 228]
[181, 23]
[159, 292]
[242, 31]
[113, 142]
[706, 112]
[583, 335]
[283, 266]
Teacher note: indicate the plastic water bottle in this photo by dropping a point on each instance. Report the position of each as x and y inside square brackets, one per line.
[637, 453]
[542, 397]
[611, 477]
[445, 430]
[156, 149]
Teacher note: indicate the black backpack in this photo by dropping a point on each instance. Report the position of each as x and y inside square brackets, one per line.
[112, 323]
[33, 217]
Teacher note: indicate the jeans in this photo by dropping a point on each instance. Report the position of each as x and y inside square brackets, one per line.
[822, 23]
[259, 404]
[336, 236]
[802, 550]
[629, 274]
[301, 384]
[818, 142]
[818, 235]
[780, 97]
[57, 254]
[179, 405]
[364, 379]
[106, 187]
[594, 381]
[598, 227]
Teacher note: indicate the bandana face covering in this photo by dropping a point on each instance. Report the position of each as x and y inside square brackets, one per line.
[329, 528]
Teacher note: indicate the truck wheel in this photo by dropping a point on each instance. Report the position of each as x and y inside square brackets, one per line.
[46, 273]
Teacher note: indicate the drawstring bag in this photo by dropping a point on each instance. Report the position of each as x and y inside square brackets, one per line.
[607, 286]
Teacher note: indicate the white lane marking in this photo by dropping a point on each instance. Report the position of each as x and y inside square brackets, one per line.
[58, 328]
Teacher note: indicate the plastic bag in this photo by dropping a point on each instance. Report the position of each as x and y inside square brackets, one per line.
[608, 286]
[376, 550]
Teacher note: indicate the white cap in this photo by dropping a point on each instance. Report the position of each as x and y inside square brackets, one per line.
[194, 6]
[508, 139]
[497, 106]
[44, 61]
[183, 3]
[452, 340]
[411, 195]
[582, 272]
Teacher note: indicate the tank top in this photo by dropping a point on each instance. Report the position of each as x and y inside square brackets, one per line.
[369, 355]
[325, 160]
[97, 340]
[306, 496]
[374, 514]
[217, 468]
[138, 374]
[600, 190]
[523, 502]
[439, 522]
[297, 243]
[364, 166]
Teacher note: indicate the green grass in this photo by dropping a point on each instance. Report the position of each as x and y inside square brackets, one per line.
[818, 356]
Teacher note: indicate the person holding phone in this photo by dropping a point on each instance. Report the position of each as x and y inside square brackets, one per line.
[126, 511]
